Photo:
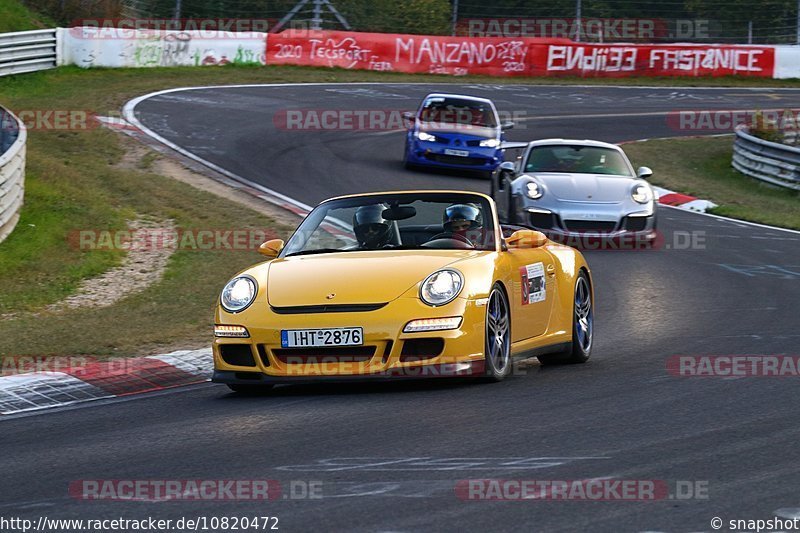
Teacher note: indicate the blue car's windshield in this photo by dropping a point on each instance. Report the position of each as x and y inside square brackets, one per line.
[445, 110]
[396, 221]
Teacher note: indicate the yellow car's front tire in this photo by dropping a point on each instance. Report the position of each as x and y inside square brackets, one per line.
[497, 351]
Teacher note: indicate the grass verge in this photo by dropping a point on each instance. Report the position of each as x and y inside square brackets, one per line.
[702, 167]
[15, 16]
[75, 181]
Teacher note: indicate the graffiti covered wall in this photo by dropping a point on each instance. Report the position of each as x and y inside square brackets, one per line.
[501, 56]
[103, 47]
[455, 56]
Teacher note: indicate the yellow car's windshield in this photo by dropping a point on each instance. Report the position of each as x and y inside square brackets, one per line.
[395, 221]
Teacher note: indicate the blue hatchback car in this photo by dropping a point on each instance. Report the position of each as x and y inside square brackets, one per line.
[456, 132]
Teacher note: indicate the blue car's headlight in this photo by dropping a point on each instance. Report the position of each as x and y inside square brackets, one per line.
[490, 143]
[422, 136]
[238, 294]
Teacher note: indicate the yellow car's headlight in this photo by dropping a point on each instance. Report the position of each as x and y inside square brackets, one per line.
[238, 294]
[441, 287]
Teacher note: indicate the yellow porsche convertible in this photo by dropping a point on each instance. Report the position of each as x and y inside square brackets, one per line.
[402, 284]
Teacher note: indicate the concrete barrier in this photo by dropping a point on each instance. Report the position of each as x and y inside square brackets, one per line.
[97, 47]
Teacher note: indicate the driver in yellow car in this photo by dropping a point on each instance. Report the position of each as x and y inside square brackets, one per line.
[464, 220]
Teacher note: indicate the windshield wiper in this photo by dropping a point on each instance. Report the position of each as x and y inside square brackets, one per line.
[317, 251]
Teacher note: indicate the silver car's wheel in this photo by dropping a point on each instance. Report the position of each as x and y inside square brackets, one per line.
[498, 336]
[582, 327]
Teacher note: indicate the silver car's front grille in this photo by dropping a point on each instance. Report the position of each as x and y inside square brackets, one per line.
[590, 225]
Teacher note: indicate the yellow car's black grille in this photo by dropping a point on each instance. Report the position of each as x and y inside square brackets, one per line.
[334, 354]
[338, 308]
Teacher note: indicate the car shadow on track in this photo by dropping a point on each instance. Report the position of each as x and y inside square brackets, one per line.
[522, 369]
[343, 389]
[449, 172]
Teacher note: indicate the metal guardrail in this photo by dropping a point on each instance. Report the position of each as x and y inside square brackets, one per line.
[28, 51]
[774, 163]
[13, 137]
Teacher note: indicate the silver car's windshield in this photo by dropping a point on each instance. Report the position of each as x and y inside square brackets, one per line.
[577, 159]
[396, 221]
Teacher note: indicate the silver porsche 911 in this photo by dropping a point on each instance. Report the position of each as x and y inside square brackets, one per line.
[568, 188]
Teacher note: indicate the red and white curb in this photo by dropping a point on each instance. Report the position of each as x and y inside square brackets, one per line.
[683, 201]
[96, 380]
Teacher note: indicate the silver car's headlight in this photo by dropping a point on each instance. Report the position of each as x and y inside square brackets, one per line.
[422, 136]
[238, 294]
[490, 143]
[641, 194]
[533, 190]
[441, 287]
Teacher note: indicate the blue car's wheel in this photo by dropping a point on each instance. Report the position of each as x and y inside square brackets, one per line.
[406, 163]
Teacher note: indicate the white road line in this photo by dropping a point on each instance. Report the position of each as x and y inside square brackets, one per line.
[129, 115]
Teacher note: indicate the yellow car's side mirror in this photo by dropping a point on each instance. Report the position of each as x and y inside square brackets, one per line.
[271, 248]
[526, 238]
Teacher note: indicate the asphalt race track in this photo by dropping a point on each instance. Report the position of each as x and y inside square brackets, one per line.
[389, 456]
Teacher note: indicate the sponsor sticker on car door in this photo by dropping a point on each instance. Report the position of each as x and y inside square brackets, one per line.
[533, 283]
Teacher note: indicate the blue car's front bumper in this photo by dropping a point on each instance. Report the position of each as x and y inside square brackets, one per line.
[435, 154]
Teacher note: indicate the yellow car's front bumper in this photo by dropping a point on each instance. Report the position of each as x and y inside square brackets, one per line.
[386, 352]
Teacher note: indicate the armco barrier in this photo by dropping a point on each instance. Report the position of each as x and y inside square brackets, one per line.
[28, 51]
[13, 137]
[774, 163]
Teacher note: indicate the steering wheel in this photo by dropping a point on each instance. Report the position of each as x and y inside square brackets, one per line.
[454, 236]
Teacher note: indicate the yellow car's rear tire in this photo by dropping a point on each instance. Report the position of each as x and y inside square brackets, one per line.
[582, 327]
[497, 351]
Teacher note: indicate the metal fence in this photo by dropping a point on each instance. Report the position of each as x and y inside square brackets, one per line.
[702, 21]
[27, 51]
[13, 137]
[774, 163]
